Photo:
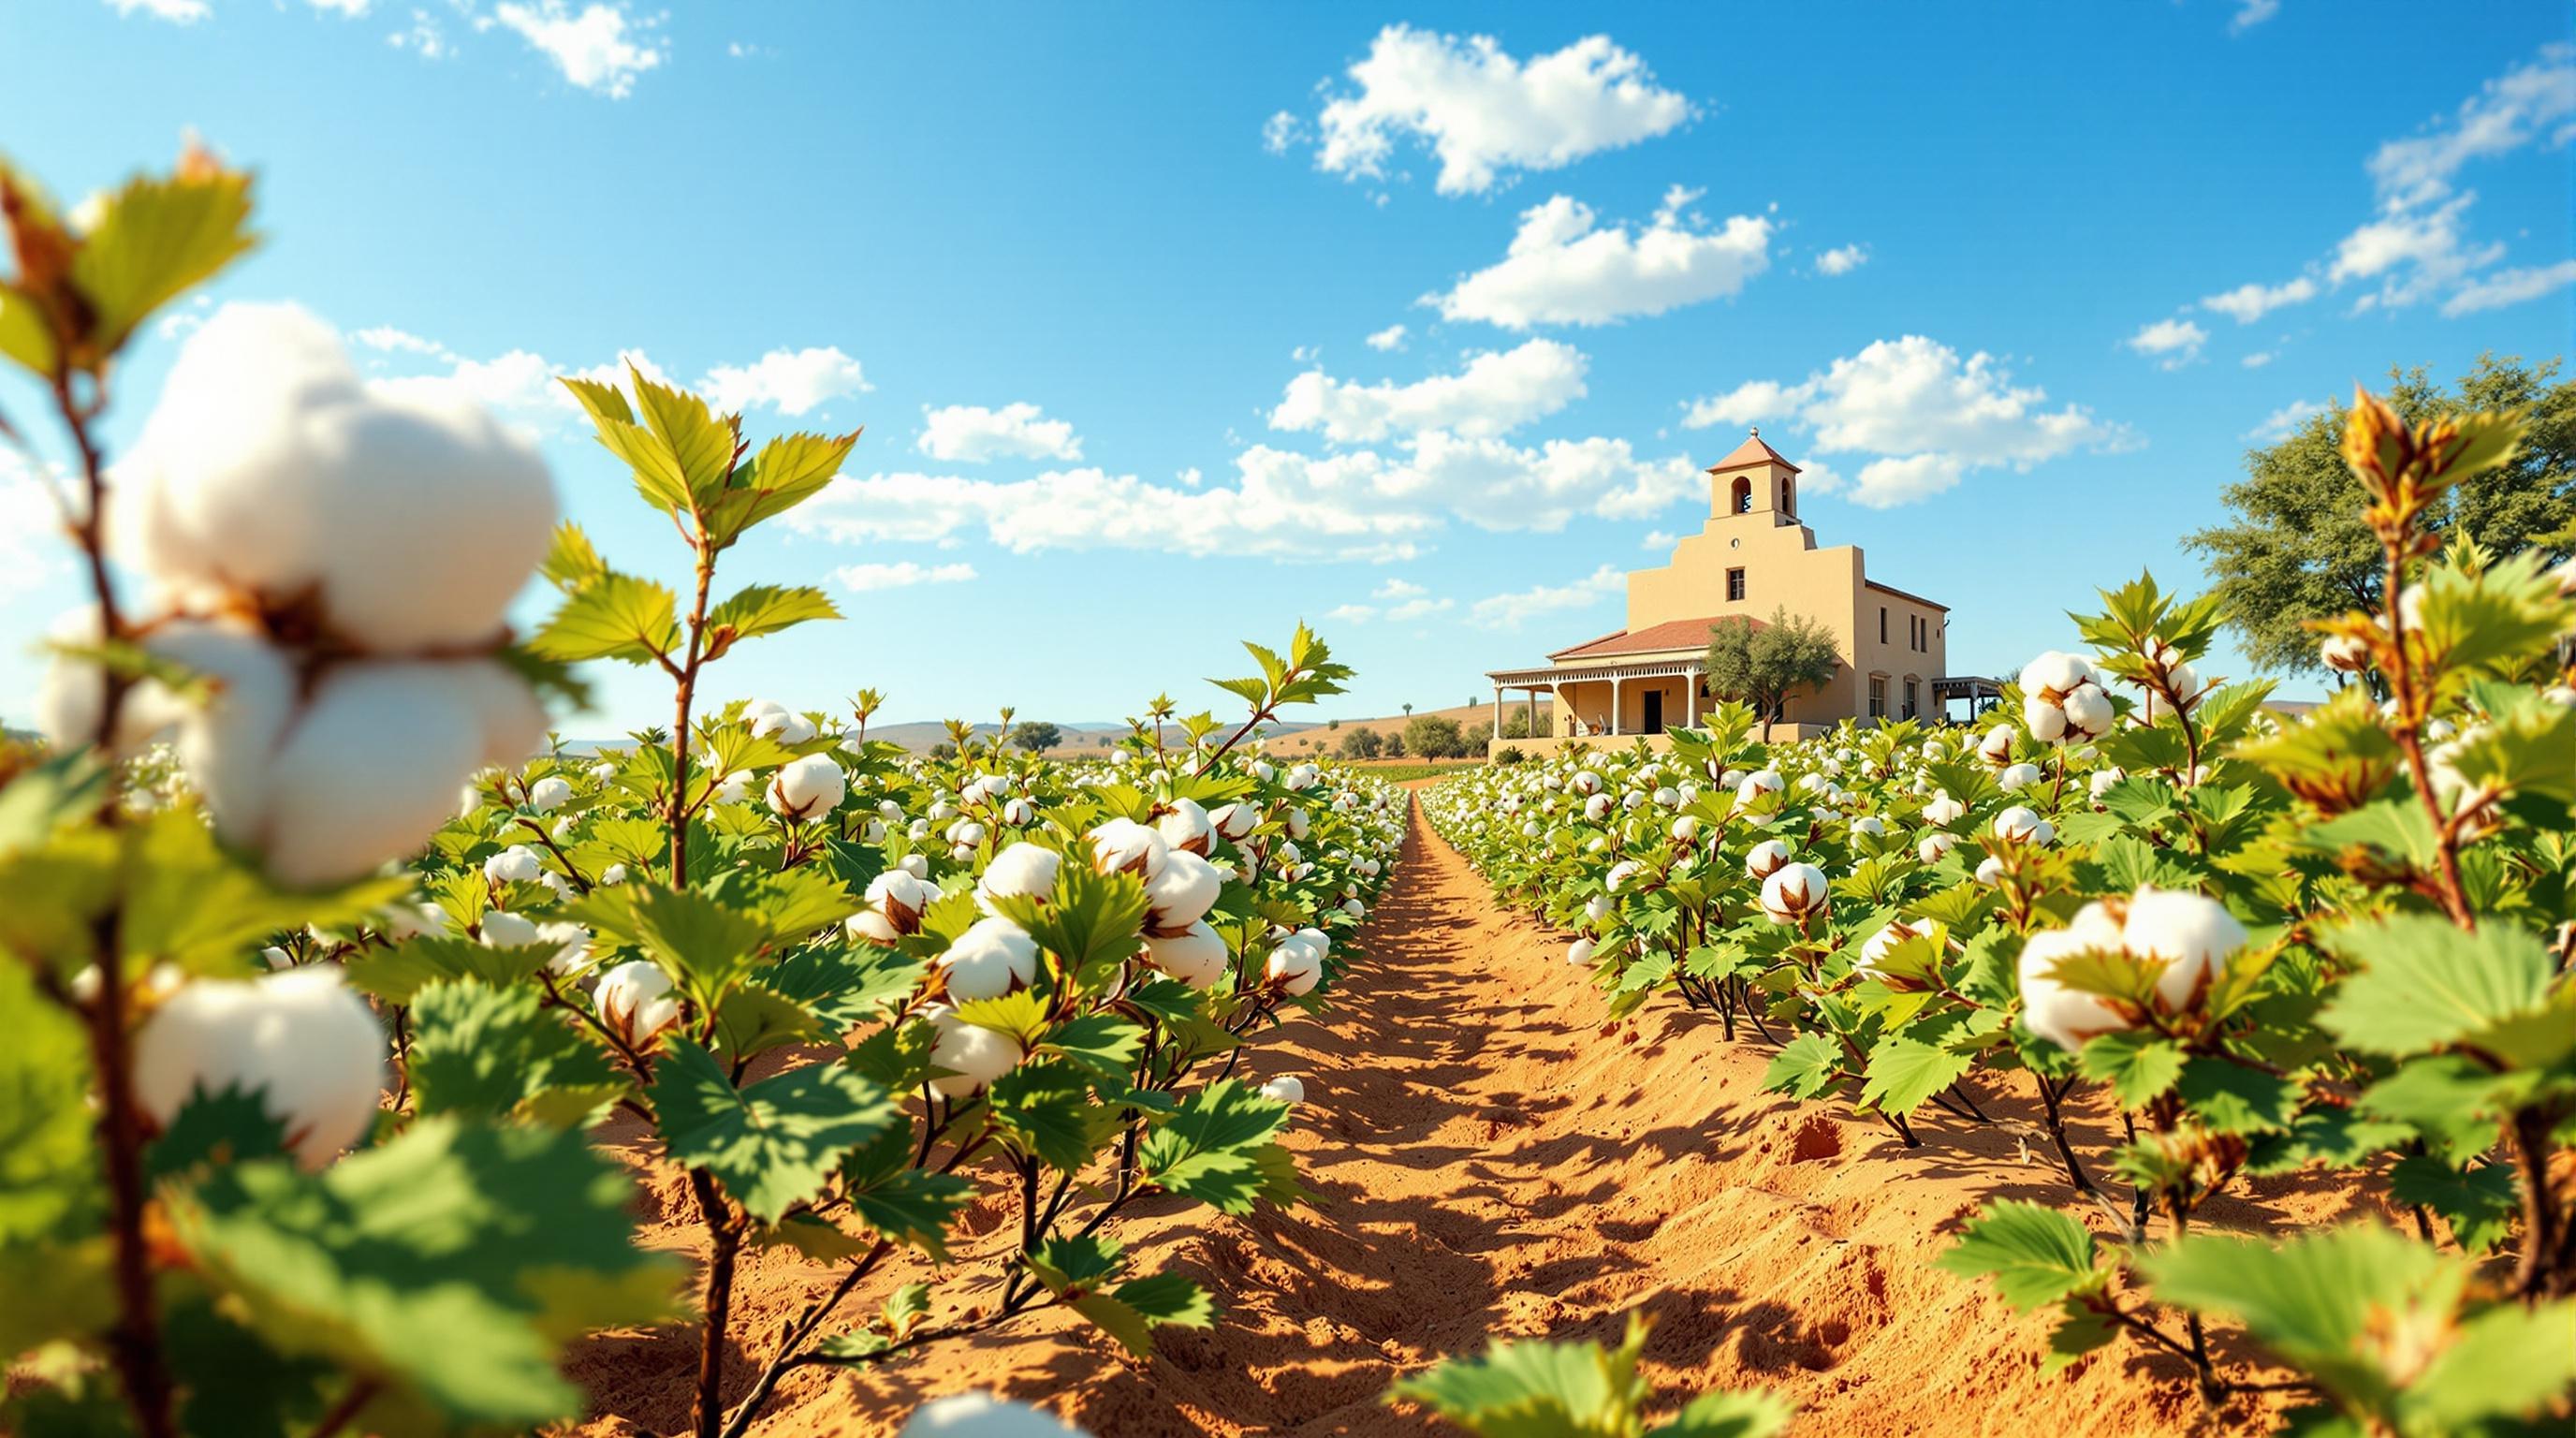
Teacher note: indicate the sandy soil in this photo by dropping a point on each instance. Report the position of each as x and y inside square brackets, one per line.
[1487, 1157]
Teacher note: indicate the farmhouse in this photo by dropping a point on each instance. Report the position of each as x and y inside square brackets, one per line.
[1753, 556]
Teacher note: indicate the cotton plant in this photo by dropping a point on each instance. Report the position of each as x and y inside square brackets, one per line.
[2260, 944]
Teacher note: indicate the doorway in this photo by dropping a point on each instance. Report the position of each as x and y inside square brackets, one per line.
[1654, 711]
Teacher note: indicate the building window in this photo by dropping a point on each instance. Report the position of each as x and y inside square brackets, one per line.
[1912, 707]
[1878, 696]
[1882, 624]
[1742, 503]
[1735, 584]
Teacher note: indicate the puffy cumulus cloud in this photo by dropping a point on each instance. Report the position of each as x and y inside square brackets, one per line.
[1924, 415]
[2510, 287]
[1351, 504]
[2171, 343]
[2413, 254]
[2250, 13]
[1563, 267]
[2282, 422]
[1398, 602]
[1390, 338]
[2535, 100]
[865, 578]
[1482, 112]
[791, 382]
[177, 12]
[1494, 393]
[599, 48]
[973, 434]
[2250, 302]
[1511, 611]
[1841, 260]
[1398, 589]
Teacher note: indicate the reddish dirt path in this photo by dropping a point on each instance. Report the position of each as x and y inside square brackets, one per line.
[1487, 1158]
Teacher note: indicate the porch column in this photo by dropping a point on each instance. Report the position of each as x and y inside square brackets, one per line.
[1690, 696]
[1497, 731]
[1618, 691]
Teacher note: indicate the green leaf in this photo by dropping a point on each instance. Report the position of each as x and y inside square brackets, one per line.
[1805, 1066]
[1045, 1107]
[1904, 1073]
[2479, 1204]
[49, 1179]
[2231, 1098]
[1102, 1042]
[233, 1126]
[706, 946]
[1211, 1148]
[2423, 983]
[1133, 1310]
[2136, 1063]
[765, 609]
[2036, 1256]
[1756, 1413]
[450, 1260]
[399, 973]
[490, 1053]
[159, 237]
[774, 1144]
[914, 1207]
[614, 616]
[699, 445]
[2450, 1100]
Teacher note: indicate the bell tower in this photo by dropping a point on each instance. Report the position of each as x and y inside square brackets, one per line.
[1754, 483]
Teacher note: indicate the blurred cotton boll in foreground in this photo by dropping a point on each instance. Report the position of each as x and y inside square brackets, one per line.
[307, 1045]
[270, 471]
[981, 1415]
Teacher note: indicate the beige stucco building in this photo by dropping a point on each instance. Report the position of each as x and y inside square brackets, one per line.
[1753, 556]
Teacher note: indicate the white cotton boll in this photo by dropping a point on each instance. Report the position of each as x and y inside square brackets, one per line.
[1943, 810]
[270, 466]
[770, 719]
[1187, 828]
[572, 948]
[602, 772]
[1997, 747]
[2345, 653]
[915, 865]
[337, 804]
[1934, 845]
[2018, 824]
[1586, 782]
[517, 864]
[1123, 846]
[734, 787]
[276, 958]
[981, 1415]
[993, 957]
[635, 1002]
[2018, 776]
[397, 922]
[2054, 674]
[1869, 824]
[1236, 821]
[889, 809]
[974, 1057]
[549, 794]
[612, 876]
[1019, 813]
[306, 1043]
[1296, 965]
[1355, 908]
[1287, 1089]
[1183, 893]
[2062, 1016]
[895, 900]
[2192, 936]
[1990, 871]
[1597, 808]
[1874, 950]
[1685, 829]
[1765, 859]
[2088, 711]
[807, 787]
[1794, 892]
[1196, 956]
[1022, 871]
[501, 929]
[966, 834]
[1579, 952]
[1299, 823]
[917, 830]
[1620, 873]
[2046, 722]
[2102, 779]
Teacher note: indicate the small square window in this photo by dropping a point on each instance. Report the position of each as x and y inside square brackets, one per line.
[1735, 584]
[1878, 696]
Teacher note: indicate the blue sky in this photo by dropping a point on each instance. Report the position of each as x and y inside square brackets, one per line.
[2019, 285]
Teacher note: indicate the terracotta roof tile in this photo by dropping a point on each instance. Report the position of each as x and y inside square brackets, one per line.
[1752, 452]
[1671, 634]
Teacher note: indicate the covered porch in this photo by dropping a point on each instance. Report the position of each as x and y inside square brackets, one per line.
[1608, 700]
[1980, 694]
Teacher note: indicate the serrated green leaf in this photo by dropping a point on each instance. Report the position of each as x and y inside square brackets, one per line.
[773, 1144]
[2036, 1256]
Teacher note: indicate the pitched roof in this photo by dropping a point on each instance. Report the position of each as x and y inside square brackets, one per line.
[1752, 452]
[1654, 638]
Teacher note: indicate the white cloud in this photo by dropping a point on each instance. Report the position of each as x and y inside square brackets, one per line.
[178, 12]
[1398, 589]
[2509, 287]
[972, 434]
[1563, 269]
[2172, 343]
[424, 37]
[1352, 613]
[789, 381]
[1390, 338]
[1927, 416]
[1659, 539]
[392, 340]
[1481, 111]
[2508, 112]
[2257, 360]
[1841, 260]
[1510, 611]
[598, 48]
[2250, 302]
[1417, 609]
[1495, 393]
[33, 547]
[863, 578]
[2414, 254]
[2250, 13]
[2279, 424]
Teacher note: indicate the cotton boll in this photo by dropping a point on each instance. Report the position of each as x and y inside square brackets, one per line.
[2021, 825]
[2345, 653]
[915, 865]
[1869, 824]
[974, 1057]
[2088, 711]
[1934, 845]
[1765, 859]
[2046, 722]
[1793, 892]
[1943, 810]
[1022, 871]
[2102, 780]
[2063, 1016]
[1287, 1089]
[981, 1415]
[807, 787]
[895, 900]
[635, 1002]
[612, 876]
[1196, 956]
[1186, 889]
[572, 948]
[549, 794]
[1579, 952]
[2192, 936]
[307, 1044]
[2054, 674]
[517, 864]
[1019, 813]
[1997, 747]
[993, 957]
[1990, 871]
[501, 929]
[1685, 829]
[1296, 965]
[1187, 828]
[1123, 846]
[270, 467]
[770, 719]
[1236, 821]
[734, 787]
[2018, 776]
[1875, 949]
